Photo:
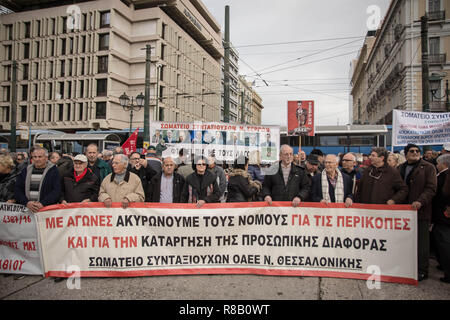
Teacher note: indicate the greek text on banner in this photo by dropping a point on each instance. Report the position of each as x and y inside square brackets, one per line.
[243, 238]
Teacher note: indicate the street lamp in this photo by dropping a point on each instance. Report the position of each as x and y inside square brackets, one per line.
[435, 84]
[127, 106]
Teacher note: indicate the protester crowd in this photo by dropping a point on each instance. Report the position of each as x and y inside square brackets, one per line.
[409, 177]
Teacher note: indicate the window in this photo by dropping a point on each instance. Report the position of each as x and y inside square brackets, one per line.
[163, 47]
[70, 45]
[26, 68]
[27, 29]
[60, 112]
[61, 90]
[63, 46]
[6, 94]
[81, 86]
[37, 49]
[83, 44]
[105, 19]
[38, 28]
[100, 110]
[52, 48]
[163, 31]
[69, 112]
[64, 25]
[69, 90]
[103, 64]
[63, 68]
[35, 89]
[24, 92]
[80, 111]
[101, 87]
[50, 91]
[434, 45]
[7, 73]
[9, 31]
[70, 67]
[82, 66]
[49, 112]
[8, 51]
[103, 41]
[53, 24]
[51, 69]
[26, 51]
[6, 114]
[23, 113]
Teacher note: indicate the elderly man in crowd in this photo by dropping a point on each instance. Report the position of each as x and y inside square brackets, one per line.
[121, 185]
[420, 176]
[99, 167]
[39, 184]
[81, 184]
[441, 217]
[332, 185]
[349, 167]
[381, 183]
[167, 186]
[290, 183]
[312, 166]
[140, 167]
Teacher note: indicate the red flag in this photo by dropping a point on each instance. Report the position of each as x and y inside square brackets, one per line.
[129, 146]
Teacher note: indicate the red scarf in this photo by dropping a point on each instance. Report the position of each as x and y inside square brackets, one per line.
[78, 178]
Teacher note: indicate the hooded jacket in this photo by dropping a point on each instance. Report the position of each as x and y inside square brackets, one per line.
[241, 187]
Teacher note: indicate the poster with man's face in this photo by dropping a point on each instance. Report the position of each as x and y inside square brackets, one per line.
[301, 118]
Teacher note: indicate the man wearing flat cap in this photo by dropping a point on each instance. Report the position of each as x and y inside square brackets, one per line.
[420, 176]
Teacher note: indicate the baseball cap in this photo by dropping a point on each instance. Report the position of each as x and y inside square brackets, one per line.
[312, 159]
[80, 157]
[446, 146]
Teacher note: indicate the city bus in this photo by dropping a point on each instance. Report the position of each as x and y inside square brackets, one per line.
[76, 142]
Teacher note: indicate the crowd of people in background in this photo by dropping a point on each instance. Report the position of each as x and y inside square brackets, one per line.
[413, 176]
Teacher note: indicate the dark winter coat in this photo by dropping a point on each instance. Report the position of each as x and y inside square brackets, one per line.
[146, 175]
[316, 188]
[155, 188]
[379, 186]
[422, 185]
[440, 201]
[298, 185]
[50, 191]
[241, 187]
[7, 183]
[201, 188]
[86, 188]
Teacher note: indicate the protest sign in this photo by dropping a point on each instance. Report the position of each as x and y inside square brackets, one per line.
[300, 118]
[223, 140]
[242, 238]
[421, 128]
[19, 245]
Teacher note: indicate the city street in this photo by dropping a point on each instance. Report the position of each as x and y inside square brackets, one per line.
[221, 287]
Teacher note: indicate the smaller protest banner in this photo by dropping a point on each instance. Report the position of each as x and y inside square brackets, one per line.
[300, 118]
[421, 128]
[19, 244]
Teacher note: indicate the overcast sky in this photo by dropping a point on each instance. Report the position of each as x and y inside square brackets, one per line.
[328, 35]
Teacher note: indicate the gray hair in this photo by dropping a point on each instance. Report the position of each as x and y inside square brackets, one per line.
[122, 157]
[38, 147]
[444, 159]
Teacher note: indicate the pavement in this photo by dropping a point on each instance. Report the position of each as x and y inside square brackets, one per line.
[221, 287]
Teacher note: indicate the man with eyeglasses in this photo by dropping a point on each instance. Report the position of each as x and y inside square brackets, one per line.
[349, 167]
[290, 183]
[140, 167]
[420, 176]
[381, 183]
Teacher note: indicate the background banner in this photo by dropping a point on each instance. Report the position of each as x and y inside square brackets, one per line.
[421, 128]
[165, 239]
[19, 245]
[226, 141]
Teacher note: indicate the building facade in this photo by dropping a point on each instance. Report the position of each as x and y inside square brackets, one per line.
[250, 106]
[388, 72]
[234, 86]
[75, 61]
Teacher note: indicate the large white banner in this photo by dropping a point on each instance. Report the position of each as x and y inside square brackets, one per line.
[165, 239]
[421, 128]
[19, 245]
[225, 141]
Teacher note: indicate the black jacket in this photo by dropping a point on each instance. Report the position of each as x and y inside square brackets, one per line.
[196, 188]
[298, 185]
[440, 202]
[7, 183]
[146, 175]
[86, 188]
[316, 188]
[239, 187]
[155, 188]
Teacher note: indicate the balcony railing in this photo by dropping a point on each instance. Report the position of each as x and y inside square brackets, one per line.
[437, 58]
[436, 15]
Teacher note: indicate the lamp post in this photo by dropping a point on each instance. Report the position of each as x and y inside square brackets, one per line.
[435, 83]
[131, 106]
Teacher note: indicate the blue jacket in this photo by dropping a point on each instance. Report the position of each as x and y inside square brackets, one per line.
[49, 193]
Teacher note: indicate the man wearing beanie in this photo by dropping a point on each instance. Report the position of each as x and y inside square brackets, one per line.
[420, 176]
